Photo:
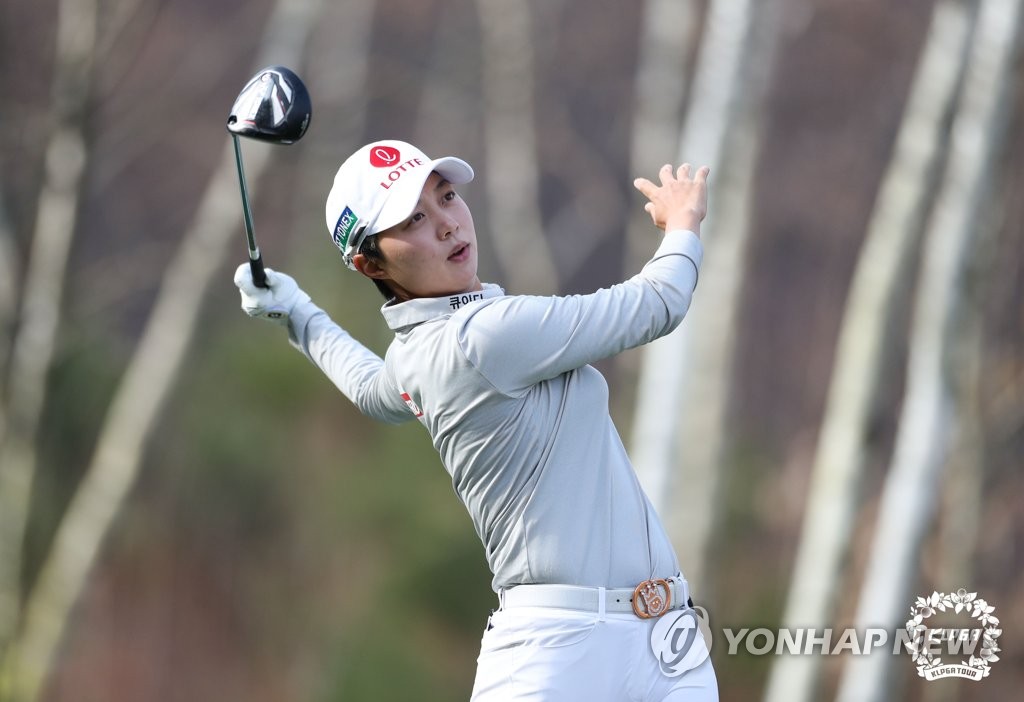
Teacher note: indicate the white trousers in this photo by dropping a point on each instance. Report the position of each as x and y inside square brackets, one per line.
[558, 655]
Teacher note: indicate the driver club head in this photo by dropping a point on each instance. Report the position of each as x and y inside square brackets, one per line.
[273, 106]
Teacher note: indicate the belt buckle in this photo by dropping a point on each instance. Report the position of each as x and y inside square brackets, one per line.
[652, 598]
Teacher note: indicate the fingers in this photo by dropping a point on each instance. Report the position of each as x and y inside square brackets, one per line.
[243, 280]
[242, 274]
[666, 175]
[699, 177]
[649, 209]
[645, 186]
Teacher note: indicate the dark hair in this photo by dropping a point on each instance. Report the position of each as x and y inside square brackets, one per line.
[371, 249]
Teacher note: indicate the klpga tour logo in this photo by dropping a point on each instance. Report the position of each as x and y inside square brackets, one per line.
[979, 643]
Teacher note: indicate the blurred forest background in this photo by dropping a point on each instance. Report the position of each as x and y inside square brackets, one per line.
[189, 511]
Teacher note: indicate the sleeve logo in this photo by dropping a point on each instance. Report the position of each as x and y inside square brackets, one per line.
[412, 404]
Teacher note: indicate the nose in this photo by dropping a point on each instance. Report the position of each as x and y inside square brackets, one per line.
[446, 227]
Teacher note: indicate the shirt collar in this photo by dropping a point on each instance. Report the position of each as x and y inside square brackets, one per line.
[423, 309]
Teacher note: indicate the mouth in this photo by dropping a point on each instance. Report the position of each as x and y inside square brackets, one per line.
[460, 254]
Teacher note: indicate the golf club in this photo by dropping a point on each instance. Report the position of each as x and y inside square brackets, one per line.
[274, 106]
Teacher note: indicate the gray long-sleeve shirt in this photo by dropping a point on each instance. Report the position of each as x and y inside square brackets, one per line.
[520, 419]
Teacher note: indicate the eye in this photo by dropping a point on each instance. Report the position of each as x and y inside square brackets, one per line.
[413, 219]
[450, 195]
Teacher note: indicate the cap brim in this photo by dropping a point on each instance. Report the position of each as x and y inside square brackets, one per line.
[454, 170]
[403, 199]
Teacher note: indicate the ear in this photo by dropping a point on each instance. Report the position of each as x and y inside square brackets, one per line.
[368, 267]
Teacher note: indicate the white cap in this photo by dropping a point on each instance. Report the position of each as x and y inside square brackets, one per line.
[378, 187]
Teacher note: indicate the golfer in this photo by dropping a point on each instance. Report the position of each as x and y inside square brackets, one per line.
[592, 605]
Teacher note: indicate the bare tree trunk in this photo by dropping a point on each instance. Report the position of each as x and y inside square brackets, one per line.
[668, 29]
[962, 494]
[860, 352]
[667, 362]
[142, 392]
[961, 499]
[9, 276]
[13, 498]
[679, 449]
[517, 232]
[666, 36]
[908, 495]
[39, 315]
[701, 428]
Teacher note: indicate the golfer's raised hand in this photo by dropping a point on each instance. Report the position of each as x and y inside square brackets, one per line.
[680, 201]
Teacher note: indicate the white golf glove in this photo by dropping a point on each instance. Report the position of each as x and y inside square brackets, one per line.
[275, 302]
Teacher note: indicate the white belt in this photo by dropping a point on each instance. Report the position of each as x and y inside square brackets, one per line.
[649, 599]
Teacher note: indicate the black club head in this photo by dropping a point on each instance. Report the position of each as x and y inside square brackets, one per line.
[274, 106]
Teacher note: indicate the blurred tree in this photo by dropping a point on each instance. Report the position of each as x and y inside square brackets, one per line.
[962, 491]
[926, 420]
[512, 181]
[668, 32]
[686, 379]
[695, 495]
[151, 373]
[885, 260]
[9, 277]
[667, 362]
[39, 314]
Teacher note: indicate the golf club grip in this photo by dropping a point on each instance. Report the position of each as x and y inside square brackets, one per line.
[259, 276]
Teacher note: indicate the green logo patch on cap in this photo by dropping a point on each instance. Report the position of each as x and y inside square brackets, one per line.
[343, 229]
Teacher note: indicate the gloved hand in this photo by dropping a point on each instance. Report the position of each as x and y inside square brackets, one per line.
[275, 302]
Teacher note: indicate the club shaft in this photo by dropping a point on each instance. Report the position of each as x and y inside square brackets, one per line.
[255, 259]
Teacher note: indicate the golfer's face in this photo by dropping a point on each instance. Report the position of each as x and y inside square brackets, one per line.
[433, 252]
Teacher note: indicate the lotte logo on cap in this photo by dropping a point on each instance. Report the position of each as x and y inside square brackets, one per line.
[384, 156]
